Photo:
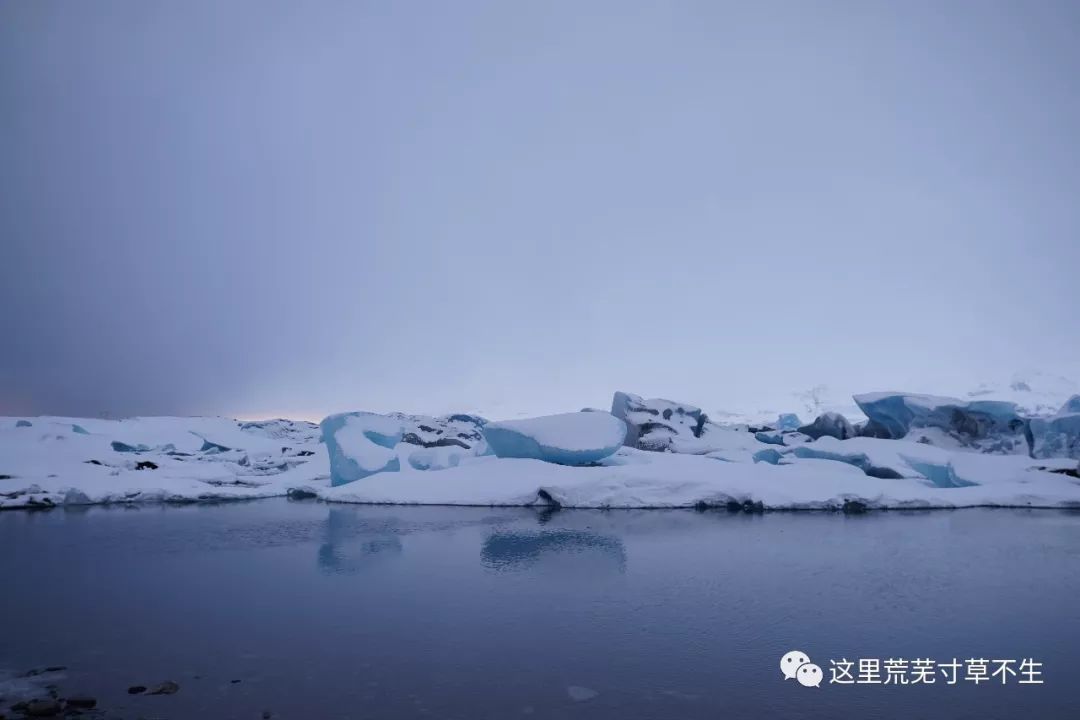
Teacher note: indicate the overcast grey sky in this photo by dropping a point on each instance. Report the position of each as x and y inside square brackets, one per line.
[292, 208]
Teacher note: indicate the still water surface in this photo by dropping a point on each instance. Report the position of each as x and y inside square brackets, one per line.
[395, 612]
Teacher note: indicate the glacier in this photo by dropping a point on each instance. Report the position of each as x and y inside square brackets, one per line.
[577, 438]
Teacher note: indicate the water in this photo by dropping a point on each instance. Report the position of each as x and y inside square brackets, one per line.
[389, 612]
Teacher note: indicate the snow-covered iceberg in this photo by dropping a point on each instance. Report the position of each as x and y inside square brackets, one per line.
[1059, 435]
[577, 438]
[658, 424]
[458, 430]
[360, 444]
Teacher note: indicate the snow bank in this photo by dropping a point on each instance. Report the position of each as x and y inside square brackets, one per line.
[577, 438]
[671, 480]
[49, 461]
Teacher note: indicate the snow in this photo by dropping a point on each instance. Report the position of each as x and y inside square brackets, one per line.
[56, 461]
[569, 439]
[665, 480]
[436, 458]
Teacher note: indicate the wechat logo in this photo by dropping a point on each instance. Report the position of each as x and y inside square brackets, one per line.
[796, 664]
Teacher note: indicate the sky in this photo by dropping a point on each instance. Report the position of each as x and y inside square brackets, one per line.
[261, 208]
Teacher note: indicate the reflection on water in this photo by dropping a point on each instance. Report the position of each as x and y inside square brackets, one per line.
[350, 545]
[520, 549]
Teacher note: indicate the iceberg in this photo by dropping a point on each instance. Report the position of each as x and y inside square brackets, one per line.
[458, 430]
[986, 425]
[123, 447]
[658, 424]
[1057, 436]
[212, 447]
[890, 459]
[829, 424]
[360, 444]
[788, 421]
[768, 455]
[578, 438]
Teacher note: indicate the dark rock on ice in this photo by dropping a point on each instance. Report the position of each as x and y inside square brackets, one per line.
[829, 424]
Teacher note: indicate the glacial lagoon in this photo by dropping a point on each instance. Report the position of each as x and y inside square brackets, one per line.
[307, 610]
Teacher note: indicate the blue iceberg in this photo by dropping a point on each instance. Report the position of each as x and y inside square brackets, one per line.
[579, 438]
[788, 421]
[123, 447]
[768, 455]
[987, 425]
[1058, 435]
[360, 444]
